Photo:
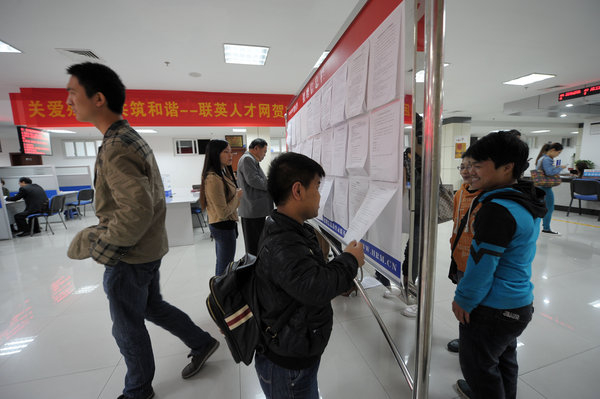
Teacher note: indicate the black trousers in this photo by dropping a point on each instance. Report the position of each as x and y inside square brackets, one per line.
[22, 225]
[252, 227]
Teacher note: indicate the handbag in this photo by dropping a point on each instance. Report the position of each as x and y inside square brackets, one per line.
[445, 204]
[540, 179]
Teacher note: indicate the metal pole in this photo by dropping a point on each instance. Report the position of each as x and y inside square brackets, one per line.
[434, 39]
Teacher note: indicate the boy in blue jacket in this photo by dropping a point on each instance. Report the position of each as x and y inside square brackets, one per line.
[493, 301]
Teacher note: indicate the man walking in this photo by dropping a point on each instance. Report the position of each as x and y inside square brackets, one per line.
[256, 203]
[130, 239]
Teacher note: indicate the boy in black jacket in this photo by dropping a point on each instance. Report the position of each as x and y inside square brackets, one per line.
[292, 272]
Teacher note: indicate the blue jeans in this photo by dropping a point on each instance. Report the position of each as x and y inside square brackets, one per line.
[133, 293]
[488, 350]
[224, 247]
[549, 207]
[281, 383]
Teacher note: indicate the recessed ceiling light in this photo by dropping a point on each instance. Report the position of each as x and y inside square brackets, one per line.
[420, 75]
[574, 132]
[246, 55]
[7, 48]
[146, 130]
[528, 79]
[62, 131]
[595, 304]
[539, 131]
[568, 105]
[563, 115]
[321, 59]
[239, 130]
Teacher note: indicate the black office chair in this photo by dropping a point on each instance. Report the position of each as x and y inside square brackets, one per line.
[584, 189]
[84, 197]
[55, 207]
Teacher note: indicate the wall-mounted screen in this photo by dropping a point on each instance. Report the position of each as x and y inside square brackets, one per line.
[34, 141]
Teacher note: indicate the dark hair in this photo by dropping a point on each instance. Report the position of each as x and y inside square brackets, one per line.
[419, 128]
[287, 169]
[212, 163]
[555, 146]
[25, 180]
[2, 181]
[547, 147]
[258, 143]
[580, 166]
[502, 148]
[543, 152]
[98, 78]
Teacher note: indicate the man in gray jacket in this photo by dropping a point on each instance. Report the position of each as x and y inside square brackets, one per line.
[130, 238]
[256, 203]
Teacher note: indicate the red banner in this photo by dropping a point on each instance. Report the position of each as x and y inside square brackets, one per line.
[48, 108]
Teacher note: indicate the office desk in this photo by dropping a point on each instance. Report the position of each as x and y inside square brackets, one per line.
[179, 219]
[14, 207]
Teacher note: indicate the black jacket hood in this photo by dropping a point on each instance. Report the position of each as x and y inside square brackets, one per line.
[524, 193]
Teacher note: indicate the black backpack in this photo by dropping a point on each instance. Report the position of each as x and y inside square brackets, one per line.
[233, 305]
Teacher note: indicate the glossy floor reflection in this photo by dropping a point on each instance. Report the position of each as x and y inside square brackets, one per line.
[55, 339]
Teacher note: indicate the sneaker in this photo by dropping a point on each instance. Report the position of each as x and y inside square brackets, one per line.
[556, 233]
[150, 395]
[453, 345]
[463, 389]
[410, 311]
[199, 360]
[392, 292]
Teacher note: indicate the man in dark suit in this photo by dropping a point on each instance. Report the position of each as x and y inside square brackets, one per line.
[35, 201]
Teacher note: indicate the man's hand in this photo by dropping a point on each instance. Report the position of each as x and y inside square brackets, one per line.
[239, 193]
[461, 315]
[356, 249]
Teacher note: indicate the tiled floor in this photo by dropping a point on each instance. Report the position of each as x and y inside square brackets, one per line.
[55, 339]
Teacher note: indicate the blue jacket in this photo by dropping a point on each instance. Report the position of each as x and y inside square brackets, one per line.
[498, 270]
[546, 164]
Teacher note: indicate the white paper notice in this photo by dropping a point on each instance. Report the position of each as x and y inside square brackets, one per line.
[326, 150]
[358, 146]
[340, 201]
[338, 155]
[383, 60]
[377, 197]
[385, 142]
[357, 191]
[324, 190]
[316, 149]
[308, 148]
[326, 104]
[356, 81]
[338, 95]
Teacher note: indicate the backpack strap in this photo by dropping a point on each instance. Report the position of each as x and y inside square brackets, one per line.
[285, 317]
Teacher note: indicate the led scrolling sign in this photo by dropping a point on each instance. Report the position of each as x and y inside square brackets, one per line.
[586, 91]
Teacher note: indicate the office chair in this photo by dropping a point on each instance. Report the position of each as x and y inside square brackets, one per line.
[584, 189]
[84, 197]
[55, 207]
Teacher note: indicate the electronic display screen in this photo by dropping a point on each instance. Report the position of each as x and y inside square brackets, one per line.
[571, 94]
[34, 141]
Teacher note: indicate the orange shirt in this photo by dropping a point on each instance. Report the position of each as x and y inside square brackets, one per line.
[462, 203]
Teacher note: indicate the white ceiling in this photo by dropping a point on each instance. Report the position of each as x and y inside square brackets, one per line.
[487, 42]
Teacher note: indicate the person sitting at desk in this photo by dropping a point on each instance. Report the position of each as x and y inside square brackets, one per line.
[5, 191]
[35, 201]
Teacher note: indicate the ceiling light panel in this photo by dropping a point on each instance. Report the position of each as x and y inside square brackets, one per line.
[7, 48]
[245, 55]
[529, 79]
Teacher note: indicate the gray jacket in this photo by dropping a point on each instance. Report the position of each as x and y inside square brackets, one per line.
[256, 201]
